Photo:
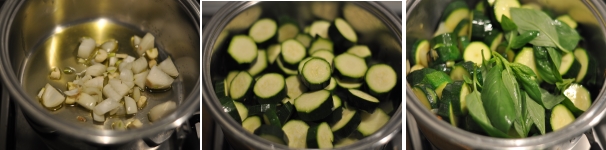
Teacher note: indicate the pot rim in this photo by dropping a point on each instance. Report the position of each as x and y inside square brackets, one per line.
[211, 101]
[32, 109]
[461, 137]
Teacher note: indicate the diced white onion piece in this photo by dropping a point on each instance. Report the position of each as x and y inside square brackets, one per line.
[136, 40]
[98, 118]
[120, 88]
[51, 97]
[136, 94]
[110, 45]
[71, 86]
[85, 79]
[55, 74]
[112, 61]
[141, 102]
[41, 93]
[86, 47]
[129, 59]
[139, 65]
[112, 69]
[92, 91]
[125, 66]
[70, 100]
[130, 85]
[96, 70]
[87, 101]
[118, 111]
[157, 79]
[135, 124]
[73, 92]
[106, 106]
[101, 56]
[147, 42]
[151, 53]
[96, 82]
[122, 55]
[152, 63]
[169, 67]
[140, 79]
[161, 110]
[131, 105]
[126, 75]
[108, 91]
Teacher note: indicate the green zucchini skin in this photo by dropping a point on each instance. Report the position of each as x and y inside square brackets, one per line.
[270, 130]
[350, 126]
[341, 44]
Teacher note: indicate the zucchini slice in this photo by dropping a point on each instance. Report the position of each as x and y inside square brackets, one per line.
[260, 64]
[474, 53]
[560, 117]
[272, 133]
[270, 88]
[361, 51]
[570, 67]
[362, 100]
[273, 52]
[287, 31]
[480, 25]
[296, 132]
[348, 84]
[371, 123]
[242, 110]
[251, 123]
[241, 86]
[456, 93]
[243, 50]
[526, 57]
[292, 52]
[316, 73]
[294, 87]
[263, 30]
[305, 39]
[578, 98]
[313, 106]
[462, 29]
[320, 136]
[501, 7]
[325, 54]
[319, 29]
[423, 98]
[350, 67]
[285, 69]
[332, 85]
[337, 110]
[420, 51]
[427, 95]
[230, 108]
[380, 79]
[285, 111]
[493, 39]
[342, 34]
[320, 44]
[459, 73]
[583, 57]
[455, 12]
[348, 124]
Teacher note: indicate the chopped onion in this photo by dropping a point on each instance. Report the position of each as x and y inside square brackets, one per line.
[147, 42]
[70, 100]
[87, 101]
[92, 91]
[135, 124]
[96, 82]
[136, 40]
[55, 74]
[125, 66]
[120, 88]
[161, 110]
[152, 63]
[157, 79]
[101, 56]
[126, 75]
[41, 93]
[71, 86]
[136, 94]
[140, 78]
[152, 53]
[129, 59]
[110, 45]
[112, 61]
[118, 111]
[96, 70]
[86, 47]
[108, 91]
[51, 97]
[98, 118]
[106, 106]
[73, 92]
[142, 102]
[131, 105]
[169, 67]
[139, 65]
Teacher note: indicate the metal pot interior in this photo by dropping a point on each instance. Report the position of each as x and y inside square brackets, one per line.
[375, 26]
[423, 17]
[44, 34]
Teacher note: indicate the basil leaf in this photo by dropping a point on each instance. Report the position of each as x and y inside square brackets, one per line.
[478, 114]
[556, 57]
[523, 124]
[529, 19]
[545, 66]
[511, 37]
[550, 100]
[499, 104]
[507, 24]
[524, 38]
[537, 114]
[564, 84]
[467, 80]
[528, 81]
[569, 37]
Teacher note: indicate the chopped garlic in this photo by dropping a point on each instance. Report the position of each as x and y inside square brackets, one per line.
[152, 53]
[55, 74]
[122, 55]
[152, 63]
[71, 85]
[101, 56]
[135, 124]
[142, 102]
[70, 100]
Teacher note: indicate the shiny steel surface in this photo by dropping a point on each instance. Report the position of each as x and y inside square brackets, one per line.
[376, 27]
[422, 18]
[36, 35]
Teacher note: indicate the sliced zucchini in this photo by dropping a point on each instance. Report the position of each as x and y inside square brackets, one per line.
[361, 51]
[319, 29]
[455, 12]
[578, 98]
[501, 7]
[456, 93]
[569, 67]
[337, 110]
[443, 67]
[422, 97]
[316, 73]
[493, 39]
[305, 39]
[348, 124]
[380, 79]
[320, 136]
[442, 29]
[526, 57]
[332, 85]
[583, 57]
[348, 84]
[292, 52]
[474, 53]
[270, 88]
[296, 132]
[263, 30]
[270, 117]
[313, 106]
[241, 86]
[260, 64]
[420, 53]
[273, 52]
[442, 53]
[560, 117]
[272, 133]
[459, 73]
[251, 123]
[295, 87]
[480, 25]
[371, 123]
[427, 93]
[462, 28]
[285, 69]
[463, 42]
[342, 34]
[285, 111]
[287, 31]
[242, 110]
[259, 109]
[350, 67]
[320, 44]
[230, 108]
[243, 50]
[568, 20]
[362, 100]
[325, 54]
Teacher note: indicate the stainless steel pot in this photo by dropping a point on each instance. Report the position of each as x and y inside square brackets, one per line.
[36, 35]
[422, 18]
[377, 27]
